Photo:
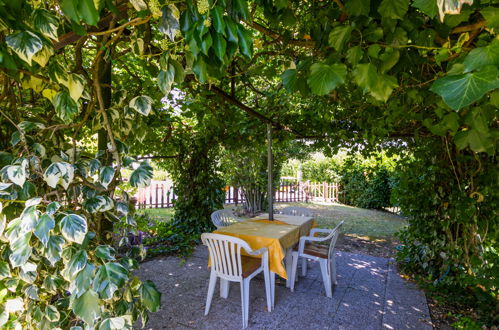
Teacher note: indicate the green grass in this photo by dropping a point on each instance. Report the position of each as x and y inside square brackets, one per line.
[158, 214]
[358, 222]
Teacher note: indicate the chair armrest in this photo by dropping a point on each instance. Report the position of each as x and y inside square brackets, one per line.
[320, 230]
[304, 239]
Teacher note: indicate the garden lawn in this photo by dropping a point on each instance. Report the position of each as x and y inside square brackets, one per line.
[365, 231]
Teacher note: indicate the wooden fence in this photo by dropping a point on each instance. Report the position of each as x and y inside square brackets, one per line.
[161, 194]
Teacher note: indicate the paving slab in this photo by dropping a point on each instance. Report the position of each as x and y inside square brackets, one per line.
[370, 295]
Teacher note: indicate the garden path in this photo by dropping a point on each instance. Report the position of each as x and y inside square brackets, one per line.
[370, 295]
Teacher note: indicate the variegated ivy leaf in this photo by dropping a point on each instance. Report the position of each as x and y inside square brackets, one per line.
[53, 251]
[139, 5]
[21, 250]
[98, 204]
[39, 149]
[106, 175]
[4, 186]
[82, 281]
[45, 224]
[43, 56]
[76, 84]
[17, 173]
[52, 314]
[75, 265]
[33, 201]
[4, 270]
[25, 44]
[122, 208]
[169, 24]
[141, 177]
[116, 323]
[46, 23]
[28, 126]
[87, 307]
[65, 107]
[74, 228]
[52, 208]
[59, 173]
[142, 104]
[14, 305]
[29, 219]
[31, 291]
[28, 272]
[109, 278]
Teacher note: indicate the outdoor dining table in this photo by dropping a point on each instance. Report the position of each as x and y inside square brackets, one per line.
[279, 236]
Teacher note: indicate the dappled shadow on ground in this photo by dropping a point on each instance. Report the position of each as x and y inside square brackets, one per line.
[377, 247]
[370, 295]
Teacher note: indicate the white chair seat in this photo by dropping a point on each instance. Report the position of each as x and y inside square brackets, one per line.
[224, 218]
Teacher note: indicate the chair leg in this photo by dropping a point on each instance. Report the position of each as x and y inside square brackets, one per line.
[303, 267]
[288, 260]
[333, 269]
[224, 288]
[245, 287]
[211, 289]
[293, 271]
[243, 305]
[272, 287]
[326, 277]
[268, 291]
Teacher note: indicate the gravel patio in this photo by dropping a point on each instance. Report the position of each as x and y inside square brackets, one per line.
[370, 295]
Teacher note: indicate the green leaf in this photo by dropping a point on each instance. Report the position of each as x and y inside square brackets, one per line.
[289, 79]
[480, 57]
[4, 270]
[21, 250]
[245, 41]
[142, 104]
[87, 307]
[165, 79]
[428, 7]
[150, 296]
[394, 9]
[462, 90]
[44, 226]
[141, 176]
[491, 15]
[241, 7]
[65, 107]
[358, 7]
[106, 176]
[219, 46]
[104, 252]
[52, 314]
[168, 23]
[25, 44]
[324, 78]
[109, 278]
[53, 251]
[380, 86]
[339, 36]
[179, 70]
[388, 60]
[206, 43]
[76, 84]
[88, 12]
[75, 265]
[200, 70]
[218, 20]
[231, 30]
[45, 23]
[475, 140]
[59, 173]
[69, 9]
[354, 55]
[74, 228]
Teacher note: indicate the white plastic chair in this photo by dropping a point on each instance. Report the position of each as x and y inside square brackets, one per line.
[224, 218]
[322, 253]
[296, 210]
[228, 264]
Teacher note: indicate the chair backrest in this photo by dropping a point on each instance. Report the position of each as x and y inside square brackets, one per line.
[334, 238]
[225, 254]
[296, 210]
[224, 218]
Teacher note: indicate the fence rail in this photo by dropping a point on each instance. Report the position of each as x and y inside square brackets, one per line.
[161, 194]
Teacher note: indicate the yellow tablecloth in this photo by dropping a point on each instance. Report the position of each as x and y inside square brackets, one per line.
[277, 237]
[305, 223]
